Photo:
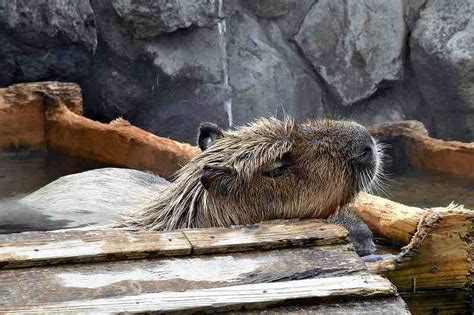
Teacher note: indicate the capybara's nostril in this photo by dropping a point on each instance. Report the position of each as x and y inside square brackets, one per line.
[366, 155]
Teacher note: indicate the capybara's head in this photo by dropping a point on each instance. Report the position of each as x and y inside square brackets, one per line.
[269, 169]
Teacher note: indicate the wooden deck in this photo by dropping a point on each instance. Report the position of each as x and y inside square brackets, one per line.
[286, 266]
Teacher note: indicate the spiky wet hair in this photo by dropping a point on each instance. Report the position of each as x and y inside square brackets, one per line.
[269, 169]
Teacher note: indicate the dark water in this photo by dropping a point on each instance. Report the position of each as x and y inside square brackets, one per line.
[430, 189]
[24, 172]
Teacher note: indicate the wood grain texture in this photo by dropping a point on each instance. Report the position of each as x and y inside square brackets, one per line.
[21, 126]
[228, 298]
[422, 151]
[119, 144]
[31, 286]
[266, 235]
[82, 245]
[66, 246]
[443, 258]
[22, 121]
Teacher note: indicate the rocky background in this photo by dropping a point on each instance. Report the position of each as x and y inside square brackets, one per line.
[167, 65]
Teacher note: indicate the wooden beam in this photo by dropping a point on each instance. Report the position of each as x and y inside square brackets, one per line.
[227, 298]
[266, 235]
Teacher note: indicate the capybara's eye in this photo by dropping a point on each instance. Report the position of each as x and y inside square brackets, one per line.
[281, 169]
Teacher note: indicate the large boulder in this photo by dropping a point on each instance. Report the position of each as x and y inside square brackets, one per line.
[194, 54]
[190, 85]
[269, 9]
[166, 84]
[147, 18]
[45, 39]
[264, 81]
[122, 78]
[442, 55]
[355, 46]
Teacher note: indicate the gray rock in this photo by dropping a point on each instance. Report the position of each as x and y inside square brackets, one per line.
[190, 86]
[262, 81]
[194, 54]
[290, 23]
[442, 55]
[268, 9]
[166, 84]
[122, 77]
[401, 101]
[412, 11]
[146, 18]
[356, 46]
[181, 106]
[163, 65]
[45, 40]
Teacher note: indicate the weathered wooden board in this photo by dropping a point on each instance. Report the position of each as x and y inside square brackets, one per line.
[31, 286]
[228, 298]
[267, 235]
[82, 245]
[49, 248]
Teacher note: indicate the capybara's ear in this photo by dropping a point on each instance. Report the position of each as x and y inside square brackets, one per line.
[207, 135]
[217, 178]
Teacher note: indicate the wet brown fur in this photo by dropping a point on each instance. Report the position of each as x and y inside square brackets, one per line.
[320, 177]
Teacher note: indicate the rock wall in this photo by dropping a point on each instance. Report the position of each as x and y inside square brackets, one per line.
[167, 65]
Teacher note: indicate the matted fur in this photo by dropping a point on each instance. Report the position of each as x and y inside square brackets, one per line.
[321, 177]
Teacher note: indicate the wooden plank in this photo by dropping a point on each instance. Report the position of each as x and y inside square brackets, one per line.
[33, 286]
[266, 235]
[81, 245]
[227, 298]
[49, 248]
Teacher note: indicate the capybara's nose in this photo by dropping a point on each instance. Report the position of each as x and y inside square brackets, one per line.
[366, 155]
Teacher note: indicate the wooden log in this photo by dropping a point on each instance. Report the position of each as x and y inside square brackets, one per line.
[34, 286]
[83, 245]
[415, 147]
[266, 235]
[118, 143]
[439, 251]
[227, 298]
[22, 122]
